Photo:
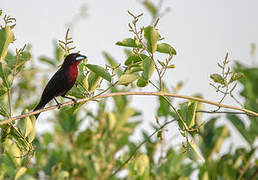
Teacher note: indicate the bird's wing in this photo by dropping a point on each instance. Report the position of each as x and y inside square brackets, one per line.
[56, 85]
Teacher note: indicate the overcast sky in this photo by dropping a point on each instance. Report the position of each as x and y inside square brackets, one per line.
[202, 31]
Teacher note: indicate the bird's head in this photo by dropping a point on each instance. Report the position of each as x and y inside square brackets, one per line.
[73, 59]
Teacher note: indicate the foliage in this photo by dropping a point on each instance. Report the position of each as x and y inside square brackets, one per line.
[87, 144]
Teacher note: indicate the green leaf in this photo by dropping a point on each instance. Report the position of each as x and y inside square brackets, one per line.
[90, 168]
[240, 126]
[48, 60]
[13, 151]
[100, 71]
[6, 37]
[4, 110]
[77, 92]
[112, 62]
[217, 78]
[142, 82]
[5, 75]
[20, 172]
[32, 134]
[127, 79]
[164, 106]
[150, 7]
[128, 42]
[111, 120]
[148, 67]
[25, 125]
[134, 59]
[93, 80]
[152, 36]
[236, 76]
[188, 112]
[192, 152]
[166, 48]
[59, 53]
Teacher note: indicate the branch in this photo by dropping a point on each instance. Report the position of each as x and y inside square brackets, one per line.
[223, 112]
[138, 147]
[84, 100]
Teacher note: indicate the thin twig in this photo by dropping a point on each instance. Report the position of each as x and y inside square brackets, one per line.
[138, 147]
[83, 100]
[247, 164]
[223, 112]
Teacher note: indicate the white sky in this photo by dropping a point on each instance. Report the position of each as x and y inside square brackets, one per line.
[202, 31]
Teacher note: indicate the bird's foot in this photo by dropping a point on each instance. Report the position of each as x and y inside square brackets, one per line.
[57, 103]
[74, 101]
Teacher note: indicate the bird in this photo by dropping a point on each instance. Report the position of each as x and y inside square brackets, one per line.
[62, 81]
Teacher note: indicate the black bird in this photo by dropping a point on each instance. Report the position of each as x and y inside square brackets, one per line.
[62, 81]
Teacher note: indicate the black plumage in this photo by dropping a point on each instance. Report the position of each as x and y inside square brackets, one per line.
[62, 81]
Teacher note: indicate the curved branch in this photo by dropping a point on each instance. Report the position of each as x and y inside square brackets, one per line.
[83, 100]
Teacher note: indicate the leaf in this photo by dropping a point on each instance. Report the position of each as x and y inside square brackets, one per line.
[32, 134]
[25, 125]
[236, 76]
[152, 36]
[99, 71]
[126, 79]
[5, 75]
[93, 80]
[20, 172]
[240, 126]
[166, 48]
[4, 110]
[134, 59]
[13, 151]
[148, 67]
[112, 62]
[192, 152]
[128, 42]
[48, 60]
[217, 78]
[164, 106]
[111, 120]
[171, 66]
[188, 112]
[90, 168]
[150, 7]
[6, 37]
[77, 92]
[59, 53]
[142, 82]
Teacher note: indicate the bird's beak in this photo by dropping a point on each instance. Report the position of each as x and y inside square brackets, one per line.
[80, 57]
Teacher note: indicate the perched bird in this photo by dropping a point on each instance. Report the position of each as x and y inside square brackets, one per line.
[62, 81]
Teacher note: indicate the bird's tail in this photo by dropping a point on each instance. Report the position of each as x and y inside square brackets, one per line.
[39, 106]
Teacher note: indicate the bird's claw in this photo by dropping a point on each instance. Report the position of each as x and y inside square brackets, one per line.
[59, 105]
[74, 101]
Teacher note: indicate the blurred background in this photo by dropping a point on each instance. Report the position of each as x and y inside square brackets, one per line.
[201, 31]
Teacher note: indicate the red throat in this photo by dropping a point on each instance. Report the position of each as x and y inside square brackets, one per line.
[73, 72]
